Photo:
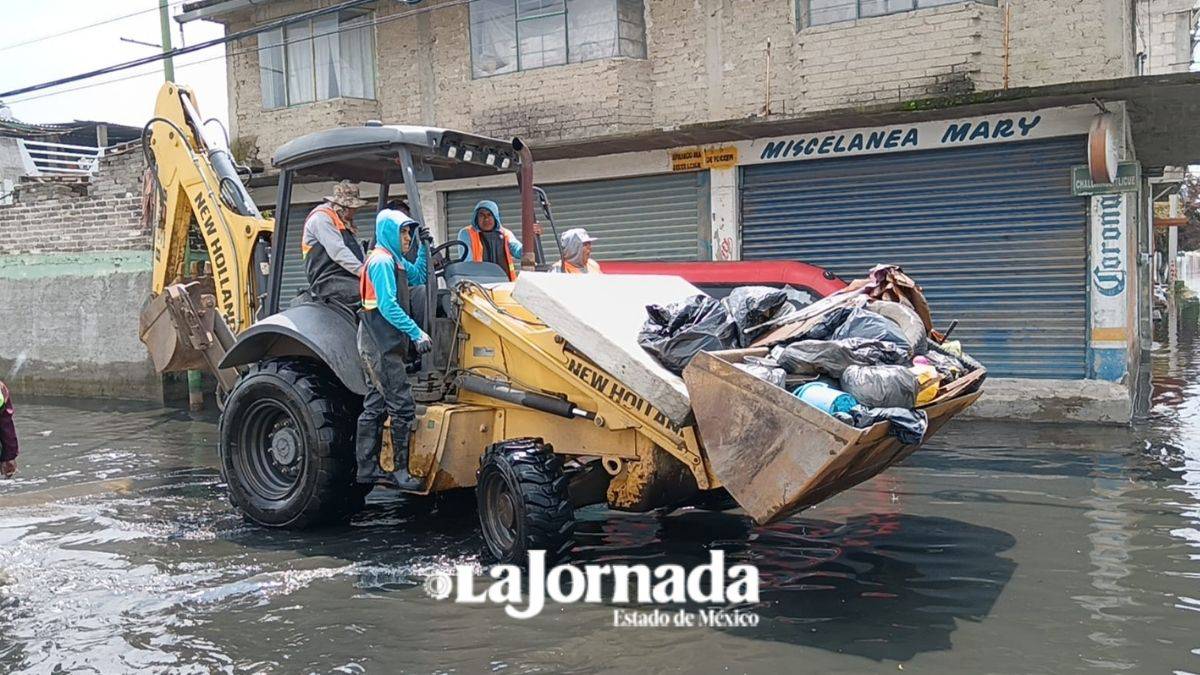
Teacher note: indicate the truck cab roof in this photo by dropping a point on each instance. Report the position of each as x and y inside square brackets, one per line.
[371, 152]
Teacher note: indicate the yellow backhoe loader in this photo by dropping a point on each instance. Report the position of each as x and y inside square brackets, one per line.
[537, 418]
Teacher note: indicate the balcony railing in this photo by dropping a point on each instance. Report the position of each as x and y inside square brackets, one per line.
[59, 159]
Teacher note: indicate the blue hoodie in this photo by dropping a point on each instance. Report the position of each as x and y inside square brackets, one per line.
[380, 269]
[515, 249]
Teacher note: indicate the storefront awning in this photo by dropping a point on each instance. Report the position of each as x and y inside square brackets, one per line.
[1163, 113]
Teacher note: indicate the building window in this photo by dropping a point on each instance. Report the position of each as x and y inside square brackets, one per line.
[327, 57]
[512, 35]
[819, 12]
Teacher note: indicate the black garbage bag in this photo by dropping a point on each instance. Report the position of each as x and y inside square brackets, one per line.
[908, 426]
[881, 386]
[868, 325]
[776, 376]
[832, 357]
[829, 323]
[752, 306]
[677, 332]
[949, 367]
[907, 319]
[797, 298]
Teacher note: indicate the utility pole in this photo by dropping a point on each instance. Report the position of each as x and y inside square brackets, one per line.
[165, 20]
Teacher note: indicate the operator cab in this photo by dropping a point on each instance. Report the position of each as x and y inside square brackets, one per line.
[405, 156]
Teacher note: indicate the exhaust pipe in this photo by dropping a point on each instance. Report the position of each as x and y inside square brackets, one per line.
[529, 240]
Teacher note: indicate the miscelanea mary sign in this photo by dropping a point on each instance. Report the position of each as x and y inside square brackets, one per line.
[948, 133]
[642, 596]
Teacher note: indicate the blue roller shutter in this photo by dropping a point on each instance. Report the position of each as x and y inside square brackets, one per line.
[992, 233]
[663, 217]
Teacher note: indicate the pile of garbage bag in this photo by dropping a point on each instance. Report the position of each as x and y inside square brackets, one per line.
[675, 333]
[866, 354]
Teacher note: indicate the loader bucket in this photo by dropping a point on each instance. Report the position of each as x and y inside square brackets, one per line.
[183, 331]
[777, 455]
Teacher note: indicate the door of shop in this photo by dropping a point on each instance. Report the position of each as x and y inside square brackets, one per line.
[992, 233]
[663, 217]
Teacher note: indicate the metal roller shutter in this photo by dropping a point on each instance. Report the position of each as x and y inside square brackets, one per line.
[293, 278]
[992, 234]
[643, 218]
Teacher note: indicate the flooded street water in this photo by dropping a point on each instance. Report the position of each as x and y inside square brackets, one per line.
[999, 548]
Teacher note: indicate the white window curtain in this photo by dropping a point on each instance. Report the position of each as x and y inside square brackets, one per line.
[327, 56]
[878, 7]
[300, 83]
[592, 28]
[493, 37]
[357, 46]
[510, 35]
[543, 42]
[830, 11]
[528, 9]
[270, 69]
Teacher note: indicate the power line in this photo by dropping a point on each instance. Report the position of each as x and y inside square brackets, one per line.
[187, 50]
[284, 43]
[173, 3]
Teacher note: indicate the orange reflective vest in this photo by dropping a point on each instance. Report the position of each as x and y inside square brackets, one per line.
[477, 250]
[366, 289]
[565, 267]
[337, 222]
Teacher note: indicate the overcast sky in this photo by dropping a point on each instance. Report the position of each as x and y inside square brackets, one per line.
[130, 101]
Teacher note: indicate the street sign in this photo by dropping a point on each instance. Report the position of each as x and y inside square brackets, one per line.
[1129, 178]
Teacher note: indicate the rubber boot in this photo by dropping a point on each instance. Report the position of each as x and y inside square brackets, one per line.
[401, 442]
[366, 453]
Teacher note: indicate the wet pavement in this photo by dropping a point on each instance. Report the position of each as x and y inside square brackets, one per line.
[998, 548]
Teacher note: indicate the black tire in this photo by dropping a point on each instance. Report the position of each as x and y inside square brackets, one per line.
[287, 445]
[523, 502]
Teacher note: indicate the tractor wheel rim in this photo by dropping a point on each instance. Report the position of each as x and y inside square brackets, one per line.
[500, 514]
[272, 456]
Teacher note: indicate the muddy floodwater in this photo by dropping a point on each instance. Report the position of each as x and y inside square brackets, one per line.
[998, 548]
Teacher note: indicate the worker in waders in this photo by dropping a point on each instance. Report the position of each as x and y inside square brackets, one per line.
[385, 333]
[333, 258]
[576, 247]
[489, 241]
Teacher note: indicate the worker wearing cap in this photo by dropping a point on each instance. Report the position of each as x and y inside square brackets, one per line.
[576, 253]
[333, 258]
[8, 435]
[489, 241]
[385, 333]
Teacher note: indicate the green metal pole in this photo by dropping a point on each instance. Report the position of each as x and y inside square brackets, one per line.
[164, 18]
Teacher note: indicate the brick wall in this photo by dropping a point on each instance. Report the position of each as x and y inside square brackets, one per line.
[1164, 35]
[100, 214]
[707, 61]
[1070, 40]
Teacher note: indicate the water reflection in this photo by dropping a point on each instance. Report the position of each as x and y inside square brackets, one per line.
[1011, 548]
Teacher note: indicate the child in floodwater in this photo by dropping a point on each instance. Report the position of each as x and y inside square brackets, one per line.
[8, 435]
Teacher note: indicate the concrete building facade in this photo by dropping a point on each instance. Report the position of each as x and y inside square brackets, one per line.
[74, 274]
[706, 60]
[786, 92]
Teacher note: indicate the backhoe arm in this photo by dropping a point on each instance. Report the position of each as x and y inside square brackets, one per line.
[189, 323]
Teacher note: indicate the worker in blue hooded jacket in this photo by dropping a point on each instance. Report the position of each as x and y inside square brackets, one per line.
[488, 240]
[385, 333]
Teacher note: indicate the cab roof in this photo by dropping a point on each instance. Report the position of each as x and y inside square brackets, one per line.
[370, 153]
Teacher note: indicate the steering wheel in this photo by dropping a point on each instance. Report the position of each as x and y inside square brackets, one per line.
[438, 254]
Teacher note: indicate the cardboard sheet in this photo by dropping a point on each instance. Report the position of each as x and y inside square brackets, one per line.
[600, 315]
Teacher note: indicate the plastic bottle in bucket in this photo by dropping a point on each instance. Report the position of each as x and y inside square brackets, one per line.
[825, 398]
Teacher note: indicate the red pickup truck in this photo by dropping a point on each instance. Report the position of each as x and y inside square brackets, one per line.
[718, 278]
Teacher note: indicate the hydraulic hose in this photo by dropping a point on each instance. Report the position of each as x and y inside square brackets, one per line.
[528, 399]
